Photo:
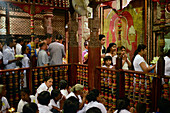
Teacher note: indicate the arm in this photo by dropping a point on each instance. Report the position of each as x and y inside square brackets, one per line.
[145, 68]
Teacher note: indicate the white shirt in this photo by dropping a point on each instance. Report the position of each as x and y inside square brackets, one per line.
[52, 103]
[137, 61]
[5, 105]
[25, 61]
[125, 66]
[64, 92]
[96, 104]
[72, 94]
[1, 55]
[167, 65]
[106, 66]
[122, 111]
[43, 109]
[18, 49]
[22, 103]
[41, 88]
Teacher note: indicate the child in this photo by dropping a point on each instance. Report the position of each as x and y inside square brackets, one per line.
[43, 101]
[30, 108]
[25, 98]
[57, 101]
[4, 106]
[64, 87]
[108, 62]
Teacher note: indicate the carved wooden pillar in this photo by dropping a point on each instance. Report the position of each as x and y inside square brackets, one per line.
[94, 55]
[7, 19]
[73, 49]
[47, 21]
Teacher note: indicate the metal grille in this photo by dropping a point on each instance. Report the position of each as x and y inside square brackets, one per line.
[2, 25]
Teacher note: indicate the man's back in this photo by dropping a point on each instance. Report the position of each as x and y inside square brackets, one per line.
[56, 53]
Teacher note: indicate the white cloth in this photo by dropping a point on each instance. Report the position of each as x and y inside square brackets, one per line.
[106, 66]
[52, 103]
[43, 109]
[18, 49]
[1, 55]
[125, 66]
[113, 58]
[167, 65]
[5, 105]
[25, 61]
[96, 104]
[22, 103]
[64, 92]
[72, 94]
[122, 111]
[41, 88]
[137, 61]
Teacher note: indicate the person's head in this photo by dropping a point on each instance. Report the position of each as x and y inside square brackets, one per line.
[78, 89]
[36, 39]
[44, 98]
[56, 95]
[10, 42]
[86, 44]
[43, 46]
[168, 53]
[2, 90]
[48, 81]
[123, 103]
[142, 49]
[123, 50]
[71, 105]
[93, 110]
[102, 39]
[91, 96]
[25, 49]
[141, 108]
[48, 38]
[25, 93]
[63, 84]
[108, 60]
[112, 47]
[30, 108]
[59, 38]
[164, 105]
[20, 40]
[97, 94]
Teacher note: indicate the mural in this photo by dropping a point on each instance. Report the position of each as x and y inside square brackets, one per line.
[132, 27]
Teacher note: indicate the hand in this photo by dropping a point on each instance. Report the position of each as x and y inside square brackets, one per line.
[124, 57]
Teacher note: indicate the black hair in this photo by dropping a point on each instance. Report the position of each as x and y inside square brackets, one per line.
[164, 105]
[48, 35]
[9, 40]
[25, 90]
[107, 58]
[96, 92]
[63, 84]
[44, 98]
[140, 47]
[91, 97]
[141, 107]
[23, 49]
[35, 37]
[42, 44]
[19, 40]
[94, 110]
[47, 78]
[101, 36]
[30, 108]
[123, 47]
[122, 103]
[168, 53]
[59, 37]
[71, 105]
[108, 48]
[86, 43]
[55, 93]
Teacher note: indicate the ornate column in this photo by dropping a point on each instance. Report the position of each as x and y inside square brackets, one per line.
[94, 55]
[73, 48]
[48, 21]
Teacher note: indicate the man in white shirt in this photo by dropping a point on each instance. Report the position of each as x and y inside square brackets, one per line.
[19, 44]
[125, 61]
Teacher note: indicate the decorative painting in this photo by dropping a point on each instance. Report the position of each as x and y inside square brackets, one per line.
[132, 27]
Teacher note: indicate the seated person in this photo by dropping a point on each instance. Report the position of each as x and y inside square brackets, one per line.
[94, 110]
[64, 88]
[30, 108]
[57, 101]
[43, 101]
[108, 62]
[25, 98]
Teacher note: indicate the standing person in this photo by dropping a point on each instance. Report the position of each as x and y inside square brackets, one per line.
[167, 63]
[8, 55]
[57, 52]
[112, 51]
[36, 41]
[125, 61]
[59, 39]
[42, 59]
[139, 62]
[19, 45]
[103, 49]
[86, 44]
[48, 38]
